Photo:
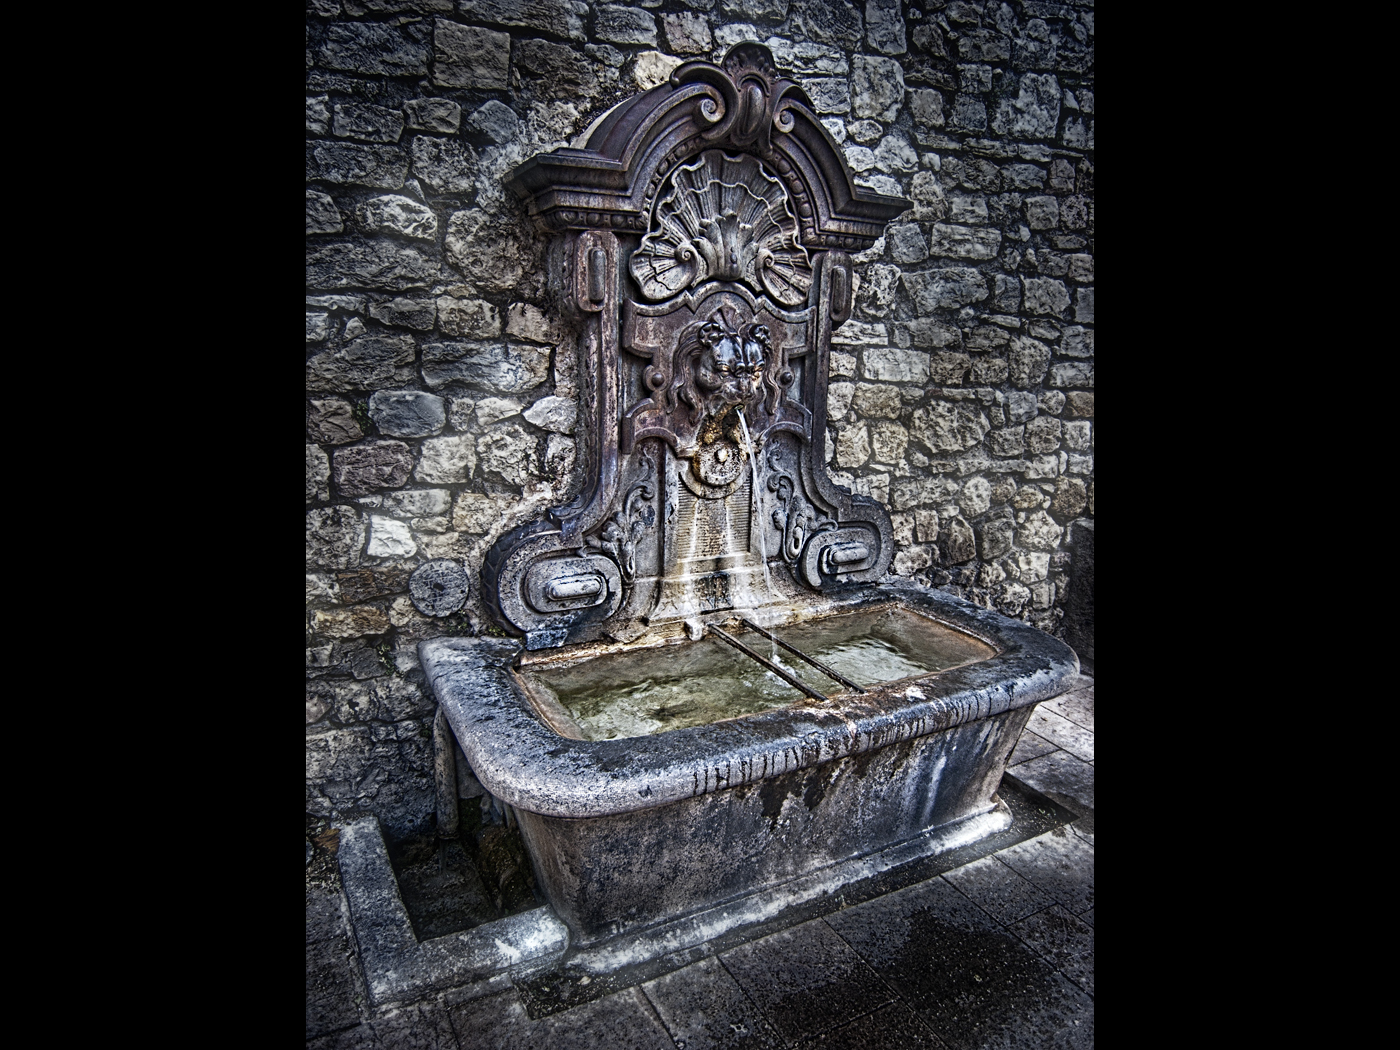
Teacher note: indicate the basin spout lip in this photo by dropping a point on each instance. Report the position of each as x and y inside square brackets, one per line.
[524, 763]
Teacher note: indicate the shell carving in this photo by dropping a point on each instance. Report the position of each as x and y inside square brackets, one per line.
[723, 218]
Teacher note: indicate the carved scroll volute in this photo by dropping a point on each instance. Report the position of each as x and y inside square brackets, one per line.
[749, 101]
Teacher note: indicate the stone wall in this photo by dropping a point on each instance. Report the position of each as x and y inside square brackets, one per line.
[441, 394]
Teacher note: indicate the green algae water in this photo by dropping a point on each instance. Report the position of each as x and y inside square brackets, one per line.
[674, 687]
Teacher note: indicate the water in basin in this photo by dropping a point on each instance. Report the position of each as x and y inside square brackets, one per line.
[655, 690]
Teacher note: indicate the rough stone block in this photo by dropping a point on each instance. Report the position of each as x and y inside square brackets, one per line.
[367, 363]
[354, 120]
[853, 447]
[963, 208]
[652, 68]
[373, 264]
[558, 414]
[1084, 304]
[835, 22]
[405, 313]
[407, 413]
[1034, 113]
[524, 321]
[1039, 532]
[493, 409]
[829, 94]
[877, 401]
[964, 242]
[884, 26]
[859, 158]
[491, 366]
[370, 47]
[945, 427]
[317, 326]
[924, 331]
[1042, 213]
[1071, 495]
[446, 460]
[446, 165]
[473, 318]
[838, 399]
[508, 454]
[496, 120]
[1028, 361]
[352, 622]
[895, 154]
[907, 244]
[969, 113]
[686, 33]
[946, 289]
[1073, 374]
[487, 252]
[334, 537]
[1074, 212]
[995, 536]
[927, 107]
[1045, 295]
[469, 56]
[877, 87]
[623, 25]
[887, 442]
[989, 370]
[361, 469]
[1008, 441]
[556, 70]
[949, 368]
[322, 216]
[1043, 434]
[381, 167]
[433, 114]
[559, 17]
[318, 473]
[400, 215]
[1081, 269]
[332, 422]
[1079, 404]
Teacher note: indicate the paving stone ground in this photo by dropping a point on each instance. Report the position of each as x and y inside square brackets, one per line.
[996, 953]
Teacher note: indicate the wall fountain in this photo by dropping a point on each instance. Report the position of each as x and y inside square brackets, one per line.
[714, 692]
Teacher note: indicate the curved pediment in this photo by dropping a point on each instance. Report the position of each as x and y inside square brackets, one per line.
[741, 106]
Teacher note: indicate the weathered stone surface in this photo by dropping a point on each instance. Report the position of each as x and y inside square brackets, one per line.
[369, 47]
[686, 33]
[1079, 404]
[877, 87]
[1028, 360]
[383, 167]
[1039, 532]
[446, 460]
[1070, 497]
[317, 326]
[995, 538]
[351, 622]
[989, 370]
[367, 363]
[754, 10]
[829, 94]
[332, 422]
[416, 503]
[508, 454]
[1073, 374]
[969, 113]
[1023, 176]
[884, 26]
[963, 208]
[836, 22]
[484, 250]
[984, 45]
[556, 70]
[554, 413]
[976, 496]
[1081, 269]
[877, 401]
[318, 473]
[477, 513]
[623, 25]
[469, 56]
[372, 264]
[927, 107]
[322, 216]
[853, 446]
[1021, 407]
[887, 442]
[945, 289]
[892, 365]
[838, 399]
[353, 304]
[496, 120]
[1084, 304]
[1045, 295]
[949, 368]
[473, 318]
[445, 165]
[1007, 295]
[389, 538]
[355, 120]
[956, 542]
[524, 321]
[559, 17]
[420, 314]
[1043, 434]
[1051, 401]
[407, 413]
[808, 58]
[944, 427]
[493, 409]
[859, 158]
[1008, 441]
[334, 537]
[356, 8]
[433, 114]
[907, 244]
[652, 68]
[964, 242]
[400, 215]
[1034, 113]
[924, 331]
[1031, 566]
[362, 469]
[504, 370]
[1074, 213]
[1042, 213]
[318, 115]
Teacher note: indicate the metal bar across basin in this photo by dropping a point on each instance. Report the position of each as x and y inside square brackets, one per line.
[828, 671]
[789, 679]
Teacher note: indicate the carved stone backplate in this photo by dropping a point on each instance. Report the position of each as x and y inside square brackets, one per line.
[702, 258]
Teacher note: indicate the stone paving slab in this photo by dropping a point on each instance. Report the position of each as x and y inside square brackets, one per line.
[1059, 863]
[703, 1008]
[1078, 707]
[1030, 746]
[1002, 893]
[623, 1021]
[1066, 779]
[891, 1027]
[1063, 941]
[1063, 733]
[805, 980]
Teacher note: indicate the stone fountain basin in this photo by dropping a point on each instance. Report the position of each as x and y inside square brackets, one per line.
[628, 833]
